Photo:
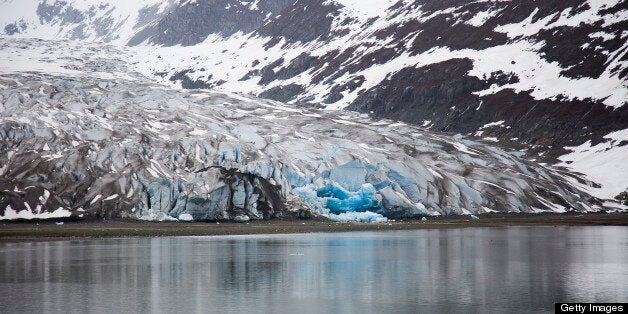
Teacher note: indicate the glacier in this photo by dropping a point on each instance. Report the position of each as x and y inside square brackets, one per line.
[101, 141]
[554, 61]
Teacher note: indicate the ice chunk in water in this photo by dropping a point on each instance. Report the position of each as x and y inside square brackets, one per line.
[241, 218]
[185, 217]
[357, 217]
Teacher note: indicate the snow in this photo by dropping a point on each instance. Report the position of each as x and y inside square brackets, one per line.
[14, 59]
[526, 27]
[605, 163]
[492, 124]
[603, 35]
[481, 17]
[95, 199]
[365, 9]
[123, 14]
[114, 196]
[157, 216]
[463, 148]
[589, 16]
[11, 214]
[198, 132]
[543, 78]
[495, 185]
[436, 174]
[231, 58]
[44, 198]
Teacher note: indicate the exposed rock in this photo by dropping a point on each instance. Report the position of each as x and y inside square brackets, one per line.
[191, 23]
[282, 93]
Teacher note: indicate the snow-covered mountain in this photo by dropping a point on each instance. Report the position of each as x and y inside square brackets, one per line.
[547, 78]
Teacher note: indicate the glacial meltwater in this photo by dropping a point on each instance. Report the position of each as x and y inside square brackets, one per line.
[498, 270]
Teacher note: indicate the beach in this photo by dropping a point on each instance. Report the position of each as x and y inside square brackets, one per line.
[67, 230]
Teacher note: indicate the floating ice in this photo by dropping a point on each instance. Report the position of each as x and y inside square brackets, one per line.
[186, 217]
[241, 218]
[357, 217]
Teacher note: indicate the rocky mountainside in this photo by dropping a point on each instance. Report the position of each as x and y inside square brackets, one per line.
[553, 71]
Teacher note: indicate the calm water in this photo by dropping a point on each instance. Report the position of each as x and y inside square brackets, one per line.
[460, 270]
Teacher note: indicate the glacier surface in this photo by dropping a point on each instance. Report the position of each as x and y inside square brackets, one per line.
[107, 145]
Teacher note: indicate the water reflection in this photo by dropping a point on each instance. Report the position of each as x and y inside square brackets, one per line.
[457, 270]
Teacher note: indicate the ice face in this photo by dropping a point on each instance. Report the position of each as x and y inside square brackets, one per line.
[128, 148]
[350, 176]
[332, 200]
[342, 201]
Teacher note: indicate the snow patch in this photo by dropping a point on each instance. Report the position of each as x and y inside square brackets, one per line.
[604, 163]
[11, 214]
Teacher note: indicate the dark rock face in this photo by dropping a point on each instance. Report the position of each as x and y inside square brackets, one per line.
[415, 95]
[304, 21]
[428, 93]
[15, 28]
[622, 197]
[64, 14]
[583, 55]
[551, 124]
[300, 64]
[282, 93]
[191, 23]
[189, 83]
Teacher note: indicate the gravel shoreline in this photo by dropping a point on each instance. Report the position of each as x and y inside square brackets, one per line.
[68, 230]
